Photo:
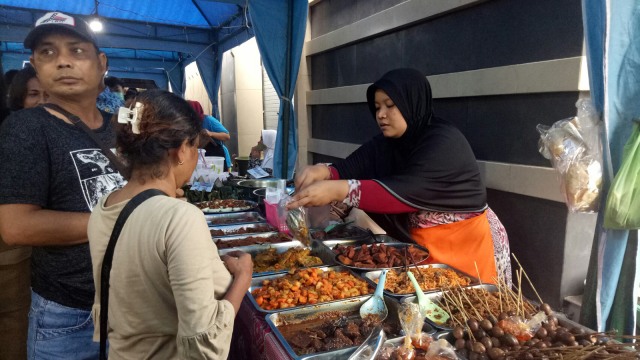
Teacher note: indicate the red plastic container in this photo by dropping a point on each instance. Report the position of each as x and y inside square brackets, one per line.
[271, 210]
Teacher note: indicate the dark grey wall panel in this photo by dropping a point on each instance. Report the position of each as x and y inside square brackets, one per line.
[319, 158]
[350, 123]
[329, 15]
[503, 128]
[495, 33]
[499, 128]
[536, 230]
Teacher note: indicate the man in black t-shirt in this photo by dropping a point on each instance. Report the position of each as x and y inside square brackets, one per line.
[53, 176]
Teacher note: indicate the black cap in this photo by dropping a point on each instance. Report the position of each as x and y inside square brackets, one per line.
[52, 21]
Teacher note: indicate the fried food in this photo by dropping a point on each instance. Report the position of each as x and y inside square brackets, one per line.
[379, 255]
[429, 278]
[270, 260]
[251, 240]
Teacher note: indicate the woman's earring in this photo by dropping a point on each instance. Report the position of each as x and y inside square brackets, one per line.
[180, 162]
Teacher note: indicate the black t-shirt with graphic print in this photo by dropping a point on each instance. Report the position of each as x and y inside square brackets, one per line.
[55, 165]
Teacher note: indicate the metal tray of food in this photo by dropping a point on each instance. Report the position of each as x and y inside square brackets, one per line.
[436, 296]
[229, 230]
[258, 282]
[341, 232]
[372, 276]
[279, 248]
[326, 247]
[232, 206]
[330, 312]
[246, 217]
[224, 242]
[398, 246]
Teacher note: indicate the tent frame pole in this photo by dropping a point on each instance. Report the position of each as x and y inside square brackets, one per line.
[286, 115]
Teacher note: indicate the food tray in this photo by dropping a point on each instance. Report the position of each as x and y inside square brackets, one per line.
[234, 218]
[435, 296]
[280, 248]
[371, 276]
[240, 237]
[248, 205]
[326, 247]
[348, 232]
[229, 229]
[256, 283]
[351, 306]
[394, 245]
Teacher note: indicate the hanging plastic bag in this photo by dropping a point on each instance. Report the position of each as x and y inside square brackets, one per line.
[622, 210]
[573, 145]
[297, 221]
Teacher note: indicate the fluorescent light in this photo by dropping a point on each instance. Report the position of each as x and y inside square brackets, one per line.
[96, 25]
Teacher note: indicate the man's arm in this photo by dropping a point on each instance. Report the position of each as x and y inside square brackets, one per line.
[25, 224]
[219, 135]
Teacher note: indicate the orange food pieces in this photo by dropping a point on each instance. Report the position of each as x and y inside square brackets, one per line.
[309, 286]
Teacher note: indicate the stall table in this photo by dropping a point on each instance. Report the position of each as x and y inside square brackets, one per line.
[252, 337]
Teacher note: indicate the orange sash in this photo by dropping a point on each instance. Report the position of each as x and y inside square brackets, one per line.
[461, 245]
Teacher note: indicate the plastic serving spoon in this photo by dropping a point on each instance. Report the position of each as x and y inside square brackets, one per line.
[427, 307]
[375, 305]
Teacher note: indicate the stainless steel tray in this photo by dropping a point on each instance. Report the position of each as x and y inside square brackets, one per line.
[395, 245]
[280, 248]
[326, 247]
[248, 205]
[349, 306]
[234, 218]
[357, 233]
[256, 283]
[436, 296]
[229, 229]
[372, 276]
[224, 239]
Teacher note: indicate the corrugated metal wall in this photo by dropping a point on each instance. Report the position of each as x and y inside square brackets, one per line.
[271, 102]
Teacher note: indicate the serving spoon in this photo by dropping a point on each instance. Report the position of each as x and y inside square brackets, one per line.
[428, 308]
[375, 305]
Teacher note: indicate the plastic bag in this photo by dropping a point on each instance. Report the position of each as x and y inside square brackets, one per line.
[573, 145]
[622, 210]
[318, 216]
[296, 220]
[442, 348]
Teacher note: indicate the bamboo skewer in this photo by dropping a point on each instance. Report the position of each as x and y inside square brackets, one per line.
[528, 279]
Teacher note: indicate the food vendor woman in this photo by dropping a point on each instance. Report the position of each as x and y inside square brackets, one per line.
[419, 180]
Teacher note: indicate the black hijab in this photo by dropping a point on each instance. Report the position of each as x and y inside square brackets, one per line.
[430, 167]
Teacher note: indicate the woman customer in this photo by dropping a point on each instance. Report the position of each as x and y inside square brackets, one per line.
[170, 295]
[217, 132]
[267, 144]
[25, 91]
[419, 180]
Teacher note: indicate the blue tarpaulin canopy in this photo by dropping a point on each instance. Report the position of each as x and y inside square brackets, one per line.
[612, 33]
[157, 39]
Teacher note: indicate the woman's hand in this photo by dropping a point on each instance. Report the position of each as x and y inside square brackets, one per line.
[240, 266]
[312, 174]
[320, 193]
[255, 153]
[238, 263]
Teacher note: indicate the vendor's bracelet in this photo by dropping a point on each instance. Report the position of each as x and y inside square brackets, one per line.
[328, 165]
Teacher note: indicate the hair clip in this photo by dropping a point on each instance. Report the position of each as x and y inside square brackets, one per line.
[132, 116]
